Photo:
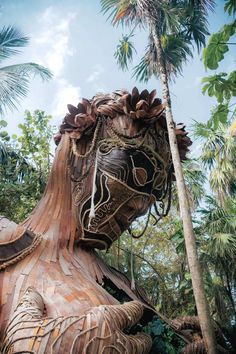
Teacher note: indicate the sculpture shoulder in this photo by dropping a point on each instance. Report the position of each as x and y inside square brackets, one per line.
[7, 230]
[15, 242]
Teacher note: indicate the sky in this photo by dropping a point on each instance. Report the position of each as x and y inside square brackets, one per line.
[75, 41]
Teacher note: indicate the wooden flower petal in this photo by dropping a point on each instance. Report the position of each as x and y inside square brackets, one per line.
[144, 95]
[156, 111]
[81, 108]
[142, 104]
[134, 97]
[86, 102]
[106, 110]
[141, 113]
[72, 109]
[156, 102]
[151, 97]
[70, 119]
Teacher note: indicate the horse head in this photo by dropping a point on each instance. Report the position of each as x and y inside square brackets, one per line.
[119, 162]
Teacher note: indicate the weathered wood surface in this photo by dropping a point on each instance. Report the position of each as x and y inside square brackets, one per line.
[69, 288]
[52, 299]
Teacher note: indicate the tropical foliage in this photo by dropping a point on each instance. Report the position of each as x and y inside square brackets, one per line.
[158, 260]
[178, 23]
[15, 79]
[173, 28]
[217, 134]
[25, 161]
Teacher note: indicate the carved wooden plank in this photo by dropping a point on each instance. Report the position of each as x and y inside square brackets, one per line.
[15, 300]
[64, 265]
[33, 259]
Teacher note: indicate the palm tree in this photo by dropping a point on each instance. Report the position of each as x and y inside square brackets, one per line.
[218, 156]
[194, 180]
[15, 79]
[220, 244]
[183, 19]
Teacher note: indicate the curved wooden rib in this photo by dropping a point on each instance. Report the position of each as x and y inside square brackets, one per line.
[99, 330]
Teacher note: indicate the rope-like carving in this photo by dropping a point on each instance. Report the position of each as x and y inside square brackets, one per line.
[190, 325]
[112, 165]
[98, 330]
[119, 144]
[93, 143]
[25, 252]
[140, 107]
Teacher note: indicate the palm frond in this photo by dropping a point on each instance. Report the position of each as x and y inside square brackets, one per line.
[12, 89]
[121, 11]
[169, 17]
[220, 179]
[223, 245]
[218, 155]
[230, 7]
[3, 153]
[194, 21]
[212, 147]
[200, 130]
[147, 66]
[218, 218]
[29, 70]
[124, 51]
[142, 71]
[11, 39]
[14, 83]
[205, 4]
[176, 50]
[195, 180]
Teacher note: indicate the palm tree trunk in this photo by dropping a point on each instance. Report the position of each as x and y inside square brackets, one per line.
[229, 292]
[194, 266]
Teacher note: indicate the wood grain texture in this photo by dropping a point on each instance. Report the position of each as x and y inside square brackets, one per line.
[52, 300]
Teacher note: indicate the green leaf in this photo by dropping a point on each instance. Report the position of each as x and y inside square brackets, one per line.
[230, 6]
[187, 276]
[217, 46]
[220, 86]
[157, 328]
[3, 123]
[220, 114]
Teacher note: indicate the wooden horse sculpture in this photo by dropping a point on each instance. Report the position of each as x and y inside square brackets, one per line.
[112, 164]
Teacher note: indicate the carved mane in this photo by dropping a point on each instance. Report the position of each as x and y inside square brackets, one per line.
[132, 114]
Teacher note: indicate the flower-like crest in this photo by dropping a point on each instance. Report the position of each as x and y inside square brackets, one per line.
[142, 106]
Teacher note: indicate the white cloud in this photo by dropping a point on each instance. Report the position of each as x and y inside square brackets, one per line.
[53, 38]
[95, 74]
[95, 78]
[51, 44]
[197, 81]
[65, 94]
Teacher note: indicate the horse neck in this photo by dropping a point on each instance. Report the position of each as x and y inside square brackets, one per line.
[53, 216]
